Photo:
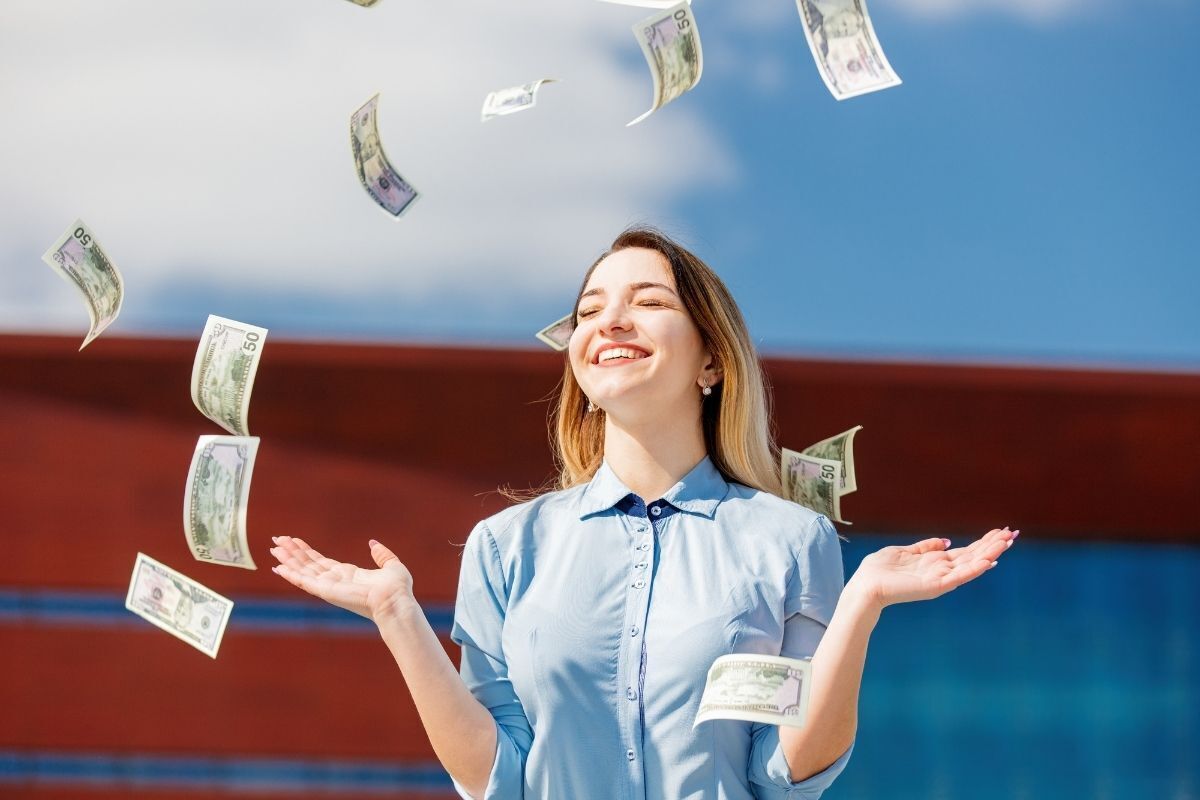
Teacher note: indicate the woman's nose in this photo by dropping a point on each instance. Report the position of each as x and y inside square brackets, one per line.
[614, 317]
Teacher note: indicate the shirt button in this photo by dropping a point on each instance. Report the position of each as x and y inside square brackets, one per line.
[644, 546]
[641, 529]
[655, 510]
[640, 566]
[639, 583]
[629, 754]
[634, 630]
[631, 694]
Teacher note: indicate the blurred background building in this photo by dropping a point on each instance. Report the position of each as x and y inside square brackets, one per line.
[1069, 671]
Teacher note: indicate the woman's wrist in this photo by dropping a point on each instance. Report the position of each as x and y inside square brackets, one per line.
[861, 599]
[400, 610]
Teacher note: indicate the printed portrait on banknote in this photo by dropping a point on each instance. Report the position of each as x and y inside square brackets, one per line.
[831, 19]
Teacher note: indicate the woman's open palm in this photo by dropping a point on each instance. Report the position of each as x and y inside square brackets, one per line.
[929, 568]
[363, 591]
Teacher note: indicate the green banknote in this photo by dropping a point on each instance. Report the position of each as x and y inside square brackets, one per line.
[178, 605]
[670, 41]
[214, 501]
[769, 689]
[223, 372]
[79, 259]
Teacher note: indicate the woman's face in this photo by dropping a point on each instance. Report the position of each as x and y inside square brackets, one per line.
[635, 350]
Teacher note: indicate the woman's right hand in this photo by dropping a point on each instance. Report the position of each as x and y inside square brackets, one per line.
[371, 593]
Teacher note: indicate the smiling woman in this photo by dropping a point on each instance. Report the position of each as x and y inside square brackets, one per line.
[653, 292]
[588, 616]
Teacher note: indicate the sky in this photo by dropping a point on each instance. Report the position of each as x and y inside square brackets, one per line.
[1029, 194]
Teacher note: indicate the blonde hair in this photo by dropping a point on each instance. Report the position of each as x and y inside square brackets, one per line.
[735, 417]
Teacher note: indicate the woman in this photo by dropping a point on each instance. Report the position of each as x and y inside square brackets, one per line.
[588, 617]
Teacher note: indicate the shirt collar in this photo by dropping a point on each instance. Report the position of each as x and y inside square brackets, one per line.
[698, 492]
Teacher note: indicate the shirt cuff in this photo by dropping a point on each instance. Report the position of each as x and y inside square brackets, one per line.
[508, 771]
[772, 778]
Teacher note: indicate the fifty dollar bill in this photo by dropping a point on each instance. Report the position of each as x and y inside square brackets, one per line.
[845, 47]
[768, 689]
[558, 333]
[393, 194]
[840, 448]
[511, 100]
[178, 605]
[670, 41]
[214, 502]
[821, 474]
[77, 257]
[223, 372]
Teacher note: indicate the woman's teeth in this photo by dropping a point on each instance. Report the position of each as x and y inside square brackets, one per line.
[620, 352]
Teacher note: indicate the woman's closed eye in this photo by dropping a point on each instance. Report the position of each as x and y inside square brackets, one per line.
[587, 312]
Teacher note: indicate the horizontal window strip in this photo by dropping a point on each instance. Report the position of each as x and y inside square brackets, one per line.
[72, 608]
[148, 772]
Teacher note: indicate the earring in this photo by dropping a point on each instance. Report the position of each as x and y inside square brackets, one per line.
[707, 390]
[591, 406]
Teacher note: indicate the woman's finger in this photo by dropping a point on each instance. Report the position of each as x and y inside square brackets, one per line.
[963, 573]
[306, 552]
[381, 554]
[297, 561]
[287, 545]
[308, 559]
[982, 558]
[983, 542]
[292, 576]
[935, 545]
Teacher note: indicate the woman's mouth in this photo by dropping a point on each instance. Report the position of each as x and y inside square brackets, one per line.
[617, 356]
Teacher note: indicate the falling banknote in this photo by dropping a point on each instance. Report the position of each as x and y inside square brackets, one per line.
[558, 333]
[223, 372]
[844, 45]
[671, 43]
[214, 502]
[512, 100]
[364, 3]
[768, 689]
[821, 474]
[178, 605]
[839, 448]
[393, 194]
[77, 256]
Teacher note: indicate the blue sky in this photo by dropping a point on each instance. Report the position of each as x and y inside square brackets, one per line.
[1028, 194]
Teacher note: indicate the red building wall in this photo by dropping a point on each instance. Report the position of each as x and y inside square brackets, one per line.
[408, 445]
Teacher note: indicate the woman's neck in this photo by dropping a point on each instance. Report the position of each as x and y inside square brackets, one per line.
[650, 459]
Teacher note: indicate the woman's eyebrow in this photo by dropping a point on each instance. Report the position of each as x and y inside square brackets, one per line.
[650, 285]
[633, 287]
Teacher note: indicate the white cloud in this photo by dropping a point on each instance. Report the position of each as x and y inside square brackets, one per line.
[208, 143]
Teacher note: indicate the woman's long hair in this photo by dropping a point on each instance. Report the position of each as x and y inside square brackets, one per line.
[735, 416]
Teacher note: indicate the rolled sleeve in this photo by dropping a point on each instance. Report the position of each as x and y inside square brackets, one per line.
[813, 591]
[771, 777]
[479, 612]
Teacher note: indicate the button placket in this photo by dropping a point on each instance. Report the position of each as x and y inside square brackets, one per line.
[638, 592]
[641, 559]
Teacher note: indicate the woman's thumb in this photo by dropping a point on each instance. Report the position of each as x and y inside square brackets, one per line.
[930, 545]
[381, 554]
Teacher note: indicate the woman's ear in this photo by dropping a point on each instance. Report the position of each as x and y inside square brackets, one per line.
[712, 373]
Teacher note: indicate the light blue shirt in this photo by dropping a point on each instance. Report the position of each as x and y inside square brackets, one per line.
[588, 622]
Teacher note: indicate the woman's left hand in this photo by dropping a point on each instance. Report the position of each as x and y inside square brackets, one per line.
[928, 568]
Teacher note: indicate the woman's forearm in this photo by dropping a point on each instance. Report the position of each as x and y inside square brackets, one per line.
[461, 730]
[837, 669]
